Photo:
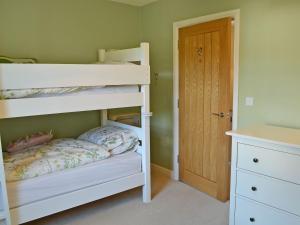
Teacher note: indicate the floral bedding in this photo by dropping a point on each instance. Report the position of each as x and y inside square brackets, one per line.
[59, 154]
[33, 92]
[116, 140]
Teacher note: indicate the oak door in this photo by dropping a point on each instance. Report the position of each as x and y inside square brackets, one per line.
[205, 106]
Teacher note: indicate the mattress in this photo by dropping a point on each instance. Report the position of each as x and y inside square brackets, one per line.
[27, 191]
[66, 91]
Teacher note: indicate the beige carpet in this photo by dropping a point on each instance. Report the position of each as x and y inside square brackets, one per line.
[173, 203]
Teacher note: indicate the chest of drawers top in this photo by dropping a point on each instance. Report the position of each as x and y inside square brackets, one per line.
[273, 135]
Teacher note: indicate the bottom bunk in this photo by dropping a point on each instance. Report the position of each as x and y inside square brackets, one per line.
[72, 199]
[28, 191]
[65, 173]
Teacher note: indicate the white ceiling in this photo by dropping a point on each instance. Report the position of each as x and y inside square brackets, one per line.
[135, 2]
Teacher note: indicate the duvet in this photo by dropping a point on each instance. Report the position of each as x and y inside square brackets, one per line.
[32, 92]
[59, 154]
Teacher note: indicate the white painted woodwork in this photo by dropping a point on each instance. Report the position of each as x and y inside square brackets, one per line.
[65, 201]
[22, 76]
[146, 144]
[69, 200]
[123, 55]
[273, 192]
[51, 105]
[262, 214]
[17, 76]
[145, 55]
[270, 134]
[103, 117]
[267, 158]
[140, 54]
[101, 55]
[4, 208]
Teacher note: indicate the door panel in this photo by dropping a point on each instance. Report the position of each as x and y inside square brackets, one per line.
[212, 52]
[193, 155]
[205, 77]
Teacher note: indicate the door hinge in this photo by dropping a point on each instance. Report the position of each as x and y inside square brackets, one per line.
[178, 159]
[178, 103]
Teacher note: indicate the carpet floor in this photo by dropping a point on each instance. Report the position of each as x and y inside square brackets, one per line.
[174, 203]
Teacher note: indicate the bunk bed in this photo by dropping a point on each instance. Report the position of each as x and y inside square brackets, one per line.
[120, 79]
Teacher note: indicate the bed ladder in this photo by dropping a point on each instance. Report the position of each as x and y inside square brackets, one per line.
[4, 207]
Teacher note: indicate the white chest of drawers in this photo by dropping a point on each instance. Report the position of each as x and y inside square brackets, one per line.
[265, 176]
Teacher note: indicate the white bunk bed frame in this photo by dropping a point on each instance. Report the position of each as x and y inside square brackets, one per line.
[21, 76]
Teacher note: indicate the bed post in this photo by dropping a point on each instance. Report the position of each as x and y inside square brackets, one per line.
[101, 55]
[145, 54]
[4, 211]
[146, 145]
[103, 115]
[146, 128]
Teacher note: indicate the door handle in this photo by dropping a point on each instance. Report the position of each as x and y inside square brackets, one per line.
[221, 114]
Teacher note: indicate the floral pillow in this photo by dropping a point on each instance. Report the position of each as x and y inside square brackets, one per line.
[115, 139]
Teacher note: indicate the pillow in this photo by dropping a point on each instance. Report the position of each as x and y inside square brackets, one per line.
[29, 141]
[115, 139]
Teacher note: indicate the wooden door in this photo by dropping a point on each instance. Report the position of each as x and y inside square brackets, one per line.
[205, 106]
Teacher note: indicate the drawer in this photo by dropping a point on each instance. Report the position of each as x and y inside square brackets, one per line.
[277, 193]
[272, 163]
[250, 213]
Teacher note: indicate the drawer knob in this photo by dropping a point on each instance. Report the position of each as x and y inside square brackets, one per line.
[254, 188]
[255, 160]
[252, 219]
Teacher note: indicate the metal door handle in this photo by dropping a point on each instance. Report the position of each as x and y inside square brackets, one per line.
[219, 114]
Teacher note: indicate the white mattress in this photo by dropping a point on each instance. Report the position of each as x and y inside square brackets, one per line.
[31, 190]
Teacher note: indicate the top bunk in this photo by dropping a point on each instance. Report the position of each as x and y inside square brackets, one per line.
[115, 82]
[114, 68]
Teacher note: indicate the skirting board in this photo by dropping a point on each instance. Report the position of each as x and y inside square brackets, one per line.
[160, 169]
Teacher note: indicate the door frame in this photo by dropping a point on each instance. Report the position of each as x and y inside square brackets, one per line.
[235, 14]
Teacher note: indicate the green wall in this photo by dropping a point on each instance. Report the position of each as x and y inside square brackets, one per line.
[66, 31]
[63, 31]
[71, 31]
[269, 62]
